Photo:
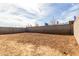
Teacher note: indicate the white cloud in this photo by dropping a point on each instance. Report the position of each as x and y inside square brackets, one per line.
[23, 18]
[13, 16]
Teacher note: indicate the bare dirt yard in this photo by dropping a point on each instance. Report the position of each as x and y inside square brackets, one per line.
[36, 44]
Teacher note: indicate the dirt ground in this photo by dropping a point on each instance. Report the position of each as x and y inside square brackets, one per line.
[36, 44]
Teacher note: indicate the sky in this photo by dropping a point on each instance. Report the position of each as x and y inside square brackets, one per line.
[62, 12]
[18, 13]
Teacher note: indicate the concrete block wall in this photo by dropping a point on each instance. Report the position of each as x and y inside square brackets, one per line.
[53, 29]
[4, 30]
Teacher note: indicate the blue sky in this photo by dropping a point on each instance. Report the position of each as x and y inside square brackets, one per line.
[60, 11]
[21, 15]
